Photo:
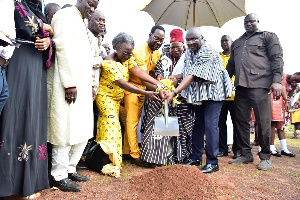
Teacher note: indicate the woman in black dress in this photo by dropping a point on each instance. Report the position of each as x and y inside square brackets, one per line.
[23, 124]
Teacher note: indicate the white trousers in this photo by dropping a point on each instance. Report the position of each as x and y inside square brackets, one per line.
[65, 159]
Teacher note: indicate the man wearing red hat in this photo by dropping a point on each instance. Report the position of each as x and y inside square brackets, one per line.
[155, 149]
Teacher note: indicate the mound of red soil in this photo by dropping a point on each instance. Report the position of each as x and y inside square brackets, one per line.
[174, 182]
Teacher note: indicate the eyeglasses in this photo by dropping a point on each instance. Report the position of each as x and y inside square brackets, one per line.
[125, 53]
[161, 40]
[192, 40]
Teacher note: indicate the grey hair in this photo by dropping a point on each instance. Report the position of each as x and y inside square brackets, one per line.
[122, 38]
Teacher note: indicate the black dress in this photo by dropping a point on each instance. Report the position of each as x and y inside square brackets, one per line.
[23, 124]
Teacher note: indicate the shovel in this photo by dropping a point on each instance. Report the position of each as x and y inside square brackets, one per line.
[166, 126]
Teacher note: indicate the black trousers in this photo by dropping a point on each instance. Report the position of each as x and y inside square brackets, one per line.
[259, 100]
[227, 106]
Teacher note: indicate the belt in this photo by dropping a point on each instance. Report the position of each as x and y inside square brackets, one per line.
[3, 62]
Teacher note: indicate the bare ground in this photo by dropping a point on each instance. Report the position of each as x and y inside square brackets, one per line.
[180, 182]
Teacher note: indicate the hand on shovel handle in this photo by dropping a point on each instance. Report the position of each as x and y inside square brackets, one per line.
[169, 96]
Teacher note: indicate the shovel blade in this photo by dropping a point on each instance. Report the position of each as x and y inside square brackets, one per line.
[169, 129]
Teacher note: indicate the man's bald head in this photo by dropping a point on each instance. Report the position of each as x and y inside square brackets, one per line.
[226, 42]
[97, 14]
[96, 23]
[195, 31]
[250, 23]
[252, 15]
[194, 39]
[50, 10]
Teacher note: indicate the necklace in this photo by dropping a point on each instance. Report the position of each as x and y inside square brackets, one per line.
[88, 34]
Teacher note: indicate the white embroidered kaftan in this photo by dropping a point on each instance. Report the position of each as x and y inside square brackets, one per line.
[70, 124]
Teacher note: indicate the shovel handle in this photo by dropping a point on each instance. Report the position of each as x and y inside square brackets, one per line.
[166, 112]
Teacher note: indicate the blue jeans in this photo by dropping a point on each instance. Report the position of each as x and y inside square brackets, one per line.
[206, 122]
[3, 88]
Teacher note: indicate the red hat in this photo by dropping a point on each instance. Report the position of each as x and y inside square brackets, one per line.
[176, 35]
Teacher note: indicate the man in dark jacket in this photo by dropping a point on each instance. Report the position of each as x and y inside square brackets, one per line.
[256, 61]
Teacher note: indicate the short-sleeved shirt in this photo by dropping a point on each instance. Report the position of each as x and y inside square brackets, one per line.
[146, 59]
[111, 72]
[225, 59]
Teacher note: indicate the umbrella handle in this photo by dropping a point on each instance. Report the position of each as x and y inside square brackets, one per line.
[194, 10]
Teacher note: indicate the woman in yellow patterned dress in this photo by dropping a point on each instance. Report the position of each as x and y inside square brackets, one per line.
[113, 81]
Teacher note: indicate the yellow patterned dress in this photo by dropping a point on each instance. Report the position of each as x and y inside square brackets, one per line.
[108, 101]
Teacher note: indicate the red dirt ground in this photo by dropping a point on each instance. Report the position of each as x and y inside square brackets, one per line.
[181, 182]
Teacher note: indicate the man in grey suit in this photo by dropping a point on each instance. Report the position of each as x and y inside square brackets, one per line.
[256, 61]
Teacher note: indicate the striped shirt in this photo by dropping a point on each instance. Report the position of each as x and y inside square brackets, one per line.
[211, 80]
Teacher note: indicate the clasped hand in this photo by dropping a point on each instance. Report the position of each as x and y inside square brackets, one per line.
[174, 80]
[42, 43]
[153, 95]
[169, 96]
[164, 94]
[70, 95]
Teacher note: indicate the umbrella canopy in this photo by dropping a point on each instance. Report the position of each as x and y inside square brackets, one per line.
[189, 13]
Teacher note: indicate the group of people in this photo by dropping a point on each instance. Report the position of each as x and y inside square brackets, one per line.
[59, 77]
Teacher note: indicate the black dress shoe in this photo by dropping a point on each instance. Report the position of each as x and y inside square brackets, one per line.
[287, 154]
[126, 157]
[235, 155]
[78, 177]
[209, 168]
[65, 185]
[276, 153]
[242, 159]
[139, 162]
[192, 162]
[221, 154]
